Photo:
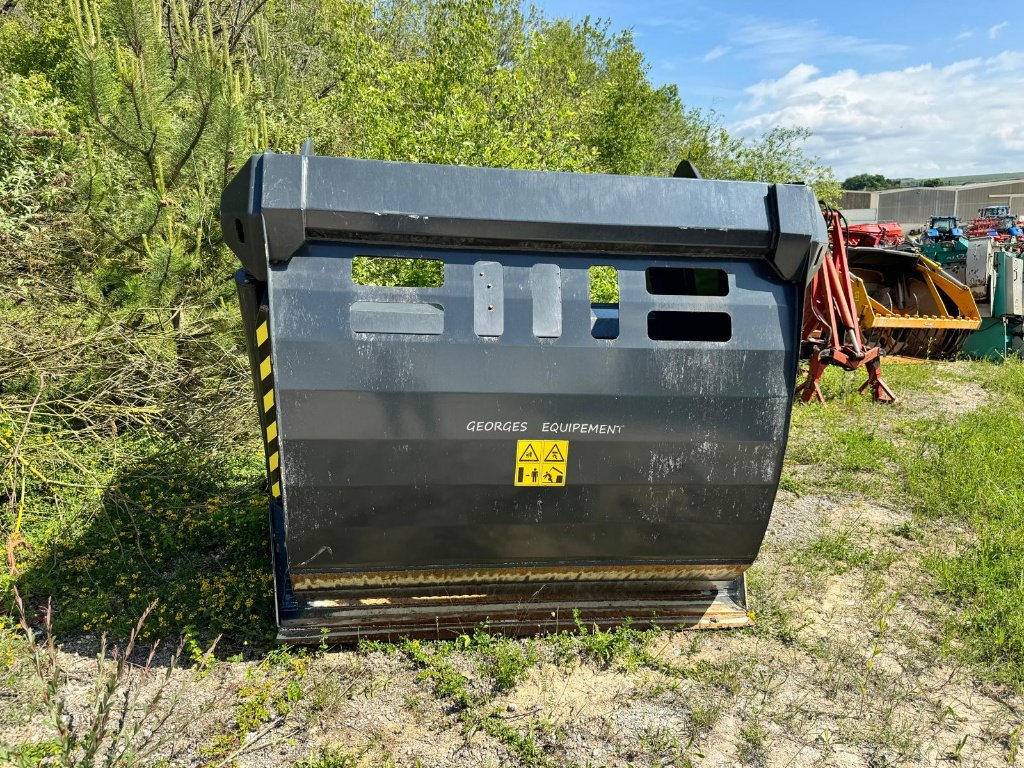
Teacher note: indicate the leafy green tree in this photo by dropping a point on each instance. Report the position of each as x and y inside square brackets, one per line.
[37, 37]
[870, 182]
[36, 148]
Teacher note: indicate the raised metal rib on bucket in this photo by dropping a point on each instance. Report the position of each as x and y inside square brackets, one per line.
[498, 447]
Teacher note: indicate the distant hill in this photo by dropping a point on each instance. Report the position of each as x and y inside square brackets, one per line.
[956, 181]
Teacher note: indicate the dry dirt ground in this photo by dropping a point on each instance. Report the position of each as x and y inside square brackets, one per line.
[847, 667]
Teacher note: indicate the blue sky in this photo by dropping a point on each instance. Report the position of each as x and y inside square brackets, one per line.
[904, 89]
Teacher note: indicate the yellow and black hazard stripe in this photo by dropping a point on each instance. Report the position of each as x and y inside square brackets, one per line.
[267, 405]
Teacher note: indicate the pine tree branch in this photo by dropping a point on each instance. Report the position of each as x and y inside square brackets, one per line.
[200, 130]
[236, 33]
[94, 105]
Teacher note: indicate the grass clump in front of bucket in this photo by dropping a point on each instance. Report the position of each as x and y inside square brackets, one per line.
[623, 646]
[505, 661]
[436, 668]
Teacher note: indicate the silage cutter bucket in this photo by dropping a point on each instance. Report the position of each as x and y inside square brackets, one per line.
[909, 305]
[497, 446]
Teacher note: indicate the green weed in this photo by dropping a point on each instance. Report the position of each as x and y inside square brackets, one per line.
[793, 484]
[270, 692]
[907, 530]
[621, 645]
[12, 653]
[837, 550]
[661, 742]
[504, 660]
[778, 623]
[435, 668]
[705, 714]
[522, 744]
[752, 746]
[30, 755]
[328, 690]
[330, 757]
[367, 647]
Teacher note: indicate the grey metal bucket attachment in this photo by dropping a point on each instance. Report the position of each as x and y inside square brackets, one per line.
[497, 447]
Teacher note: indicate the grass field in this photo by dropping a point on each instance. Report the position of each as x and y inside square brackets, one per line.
[889, 600]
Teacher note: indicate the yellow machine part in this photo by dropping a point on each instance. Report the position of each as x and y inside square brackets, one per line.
[909, 306]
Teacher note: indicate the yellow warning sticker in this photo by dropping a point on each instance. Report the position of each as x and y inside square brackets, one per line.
[528, 452]
[553, 452]
[541, 462]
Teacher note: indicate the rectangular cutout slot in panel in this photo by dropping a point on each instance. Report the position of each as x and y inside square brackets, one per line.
[546, 287]
[689, 326]
[604, 321]
[396, 317]
[604, 302]
[395, 272]
[488, 299]
[687, 281]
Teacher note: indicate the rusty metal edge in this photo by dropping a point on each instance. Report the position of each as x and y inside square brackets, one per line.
[515, 612]
[299, 634]
[518, 575]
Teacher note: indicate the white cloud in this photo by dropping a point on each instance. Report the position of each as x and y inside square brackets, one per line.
[906, 122]
[776, 40]
[716, 53]
[967, 33]
[995, 29]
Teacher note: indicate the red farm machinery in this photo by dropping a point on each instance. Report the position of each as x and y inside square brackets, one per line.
[831, 330]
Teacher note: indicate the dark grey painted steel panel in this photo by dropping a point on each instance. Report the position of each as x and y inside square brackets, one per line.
[546, 288]
[396, 317]
[380, 469]
[488, 299]
[277, 202]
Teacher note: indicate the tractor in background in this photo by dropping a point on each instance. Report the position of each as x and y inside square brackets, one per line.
[942, 239]
[996, 222]
[941, 228]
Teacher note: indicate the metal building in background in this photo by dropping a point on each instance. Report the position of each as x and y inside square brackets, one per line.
[913, 206]
[496, 446]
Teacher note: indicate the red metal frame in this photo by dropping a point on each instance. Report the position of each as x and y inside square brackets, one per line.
[831, 326]
[887, 234]
[995, 227]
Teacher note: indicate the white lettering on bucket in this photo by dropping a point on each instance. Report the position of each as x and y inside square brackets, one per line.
[578, 428]
[496, 426]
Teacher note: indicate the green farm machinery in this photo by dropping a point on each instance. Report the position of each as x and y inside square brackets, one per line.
[994, 272]
[943, 240]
